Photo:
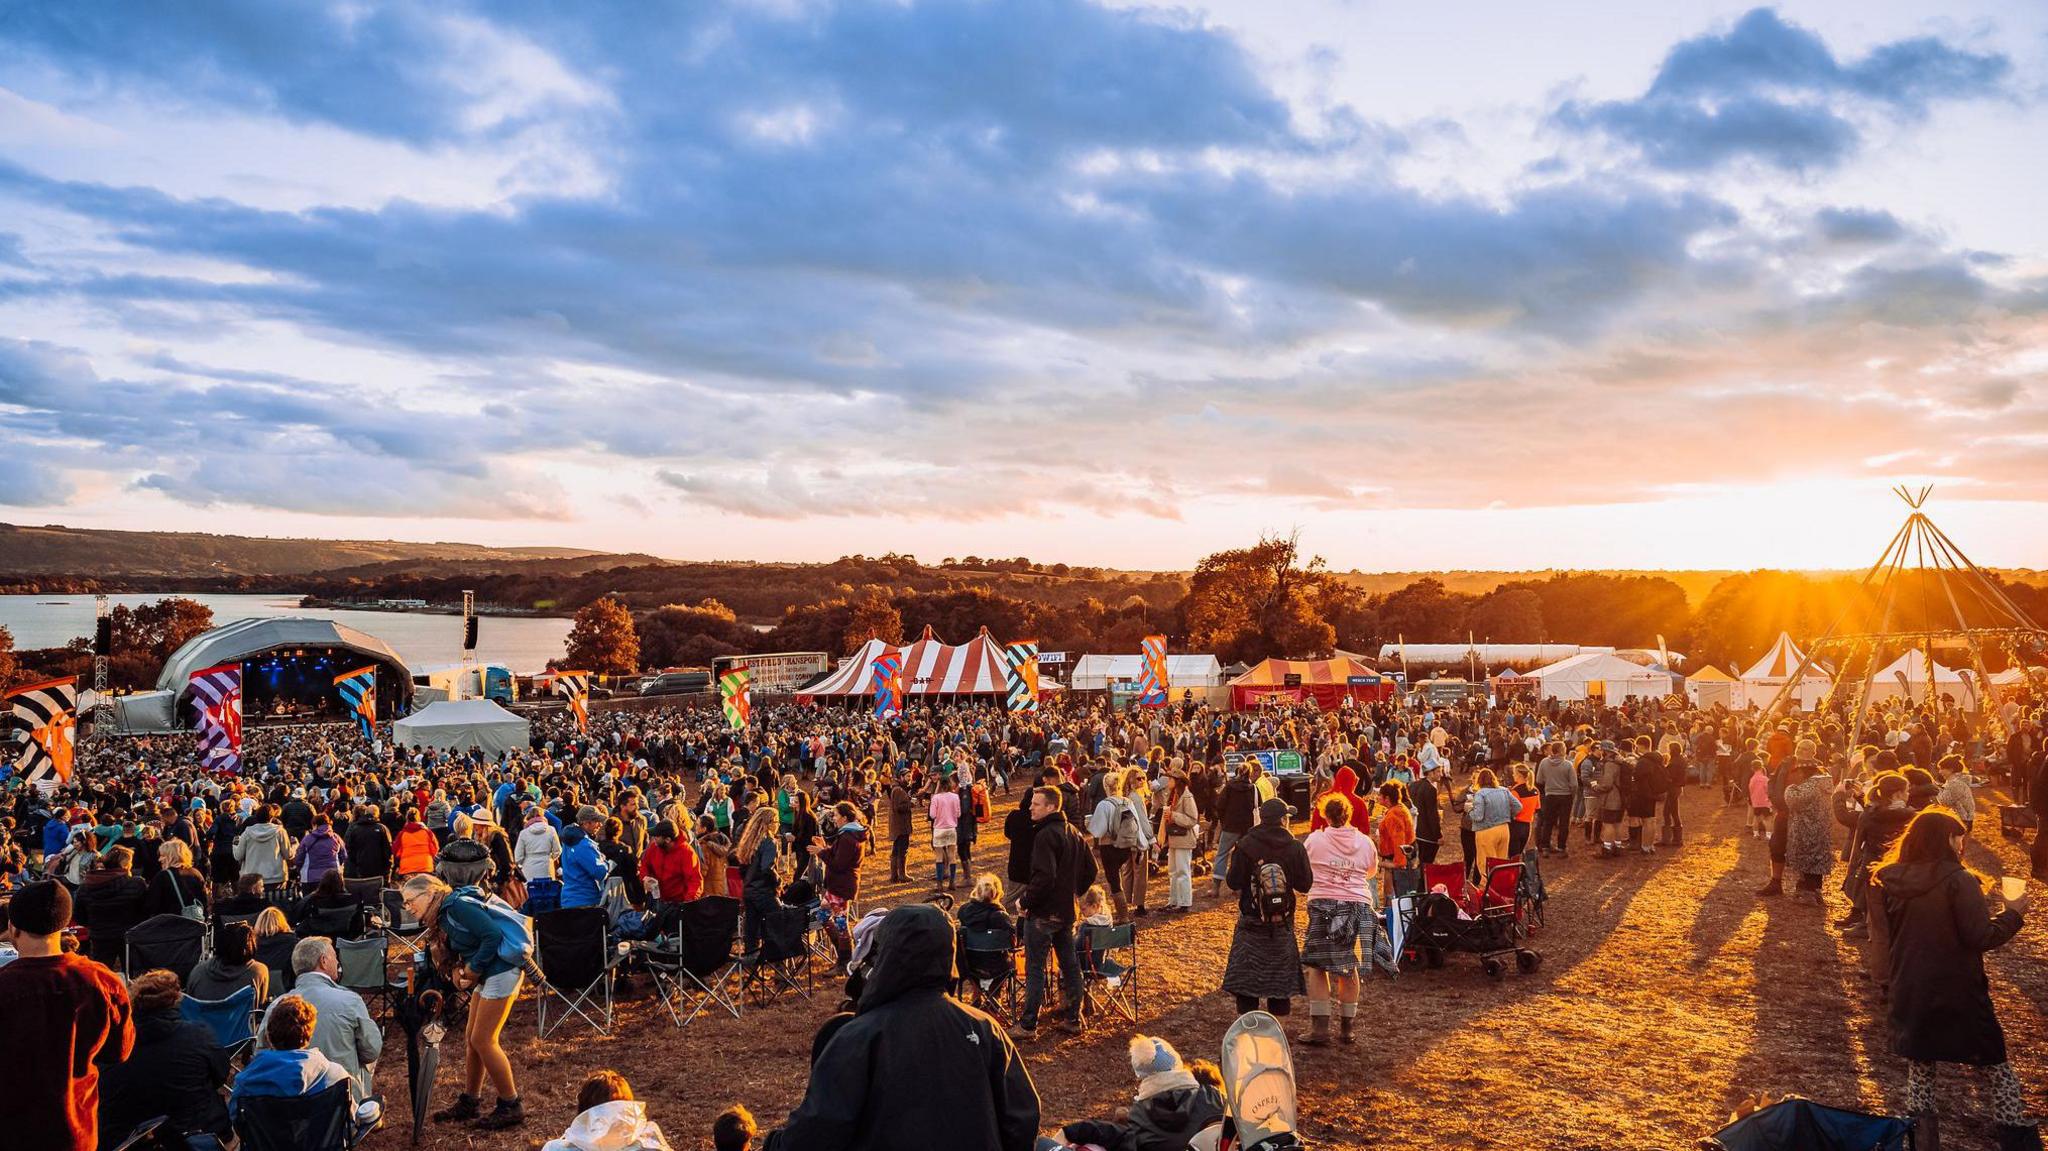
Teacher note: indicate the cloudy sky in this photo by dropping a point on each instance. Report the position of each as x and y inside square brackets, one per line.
[1489, 284]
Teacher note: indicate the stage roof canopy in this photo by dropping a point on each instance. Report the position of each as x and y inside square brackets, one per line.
[247, 638]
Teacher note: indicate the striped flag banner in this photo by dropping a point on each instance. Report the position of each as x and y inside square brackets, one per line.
[886, 673]
[44, 721]
[359, 694]
[1020, 666]
[575, 687]
[1152, 681]
[217, 697]
[735, 692]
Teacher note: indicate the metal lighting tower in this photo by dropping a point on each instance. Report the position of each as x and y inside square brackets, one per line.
[468, 646]
[102, 633]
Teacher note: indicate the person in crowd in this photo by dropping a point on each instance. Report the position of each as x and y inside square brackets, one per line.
[274, 942]
[733, 1130]
[1396, 830]
[1527, 800]
[1642, 786]
[62, 1018]
[899, 808]
[1061, 868]
[840, 847]
[262, 849]
[331, 895]
[1180, 827]
[468, 943]
[345, 1031]
[320, 853]
[1344, 864]
[108, 903]
[1018, 828]
[1170, 1108]
[538, 851]
[608, 1118]
[177, 1071]
[1490, 808]
[670, 869]
[1237, 806]
[983, 910]
[1883, 819]
[245, 903]
[1940, 926]
[1557, 788]
[944, 812]
[913, 1061]
[369, 846]
[714, 858]
[759, 882]
[232, 966]
[286, 1066]
[1426, 794]
[1267, 869]
[413, 848]
[177, 888]
[1136, 832]
[1809, 847]
[584, 868]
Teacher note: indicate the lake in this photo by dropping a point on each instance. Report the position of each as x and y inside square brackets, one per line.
[523, 643]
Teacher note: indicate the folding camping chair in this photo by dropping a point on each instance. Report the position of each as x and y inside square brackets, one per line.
[1109, 978]
[398, 924]
[334, 922]
[232, 1020]
[368, 890]
[572, 948]
[322, 1121]
[365, 967]
[698, 966]
[783, 962]
[988, 969]
[170, 941]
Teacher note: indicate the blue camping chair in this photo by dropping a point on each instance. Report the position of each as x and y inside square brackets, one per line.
[1795, 1124]
[232, 1020]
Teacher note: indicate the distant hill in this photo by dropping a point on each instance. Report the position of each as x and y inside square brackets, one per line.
[27, 552]
[1696, 583]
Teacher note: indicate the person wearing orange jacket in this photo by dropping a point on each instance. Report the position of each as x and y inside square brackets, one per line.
[1395, 832]
[413, 852]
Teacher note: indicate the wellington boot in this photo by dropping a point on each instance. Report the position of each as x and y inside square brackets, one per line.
[1927, 1132]
[1319, 1031]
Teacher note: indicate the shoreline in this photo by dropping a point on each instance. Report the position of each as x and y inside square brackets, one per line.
[320, 603]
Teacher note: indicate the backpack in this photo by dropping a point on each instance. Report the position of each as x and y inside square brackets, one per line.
[1127, 834]
[515, 931]
[1271, 896]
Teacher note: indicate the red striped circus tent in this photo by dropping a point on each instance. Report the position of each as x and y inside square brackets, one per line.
[930, 667]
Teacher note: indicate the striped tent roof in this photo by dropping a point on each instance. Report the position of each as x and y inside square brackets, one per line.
[1781, 663]
[930, 667]
[852, 678]
[1274, 672]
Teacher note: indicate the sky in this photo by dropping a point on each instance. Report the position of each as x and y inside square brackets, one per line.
[1486, 285]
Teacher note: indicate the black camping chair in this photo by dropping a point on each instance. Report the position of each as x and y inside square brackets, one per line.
[696, 967]
[169, 941]
[1795, 1124]
[322, 1121]
[783, 963]
[988, 969]
[1109, 976]
[342, 922]
[572, 948]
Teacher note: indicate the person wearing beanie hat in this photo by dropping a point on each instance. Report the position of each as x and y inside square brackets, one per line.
[1267, 870]
[61, 1015]
[1170, 1108]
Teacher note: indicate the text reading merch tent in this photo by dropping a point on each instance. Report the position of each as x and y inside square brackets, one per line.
[461, 724]
[1597, 676]
[1327, 681]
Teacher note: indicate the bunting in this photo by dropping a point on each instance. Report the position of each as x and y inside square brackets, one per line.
[575, 687]
[217, 697]
[359, 696]
[44, 718]
[1152, 680]
[1020, 662]
[735, 694]
[886, 673]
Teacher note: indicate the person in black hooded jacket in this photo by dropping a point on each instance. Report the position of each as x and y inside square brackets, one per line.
[1940, 925]
[176, 1070]
[913, 1063]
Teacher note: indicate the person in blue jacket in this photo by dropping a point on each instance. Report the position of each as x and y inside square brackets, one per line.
[584, 867]
[290, 1066]
[470, 940]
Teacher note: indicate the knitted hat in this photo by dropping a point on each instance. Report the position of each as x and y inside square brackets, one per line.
[1151, 1056]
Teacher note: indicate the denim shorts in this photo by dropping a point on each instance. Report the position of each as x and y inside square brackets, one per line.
[503, 985]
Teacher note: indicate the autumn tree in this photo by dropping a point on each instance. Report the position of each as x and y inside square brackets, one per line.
[145, 636]
[1252, 603]
[679, 635]
[9, 666]
[1507, 615]
[603, 639]
[1423, 612]
[872, 616]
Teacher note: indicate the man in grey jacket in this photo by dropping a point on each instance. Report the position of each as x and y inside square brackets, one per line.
[345, 1031]
[1557, 782]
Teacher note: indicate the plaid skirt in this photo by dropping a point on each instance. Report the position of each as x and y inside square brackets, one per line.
[1322, 949]
[1264, 961]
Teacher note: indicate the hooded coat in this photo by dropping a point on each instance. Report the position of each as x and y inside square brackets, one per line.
[914, 1061]
[1940, 927]
[620, 1125]
[261, 850]
[842, 857]
[584, 869]
[1345, 785]
[1170, 1109]
[176, 1070]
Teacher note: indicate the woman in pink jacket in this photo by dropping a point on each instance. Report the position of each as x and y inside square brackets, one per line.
[1340, 916]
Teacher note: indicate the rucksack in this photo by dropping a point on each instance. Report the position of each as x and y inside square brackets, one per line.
[1271, 896]
[515, 931]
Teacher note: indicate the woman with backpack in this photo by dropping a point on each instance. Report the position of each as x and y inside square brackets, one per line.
[1267, 868]
[481, 943]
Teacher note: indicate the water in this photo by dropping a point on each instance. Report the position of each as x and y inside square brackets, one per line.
[523, 643]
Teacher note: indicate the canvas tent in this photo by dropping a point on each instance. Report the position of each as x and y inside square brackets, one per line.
[1602, 676]
[1326, 681]
[1906, 677]
[1711, 687]
[1767, 676]
[461, 724]
[930, 667]
[1097, 672]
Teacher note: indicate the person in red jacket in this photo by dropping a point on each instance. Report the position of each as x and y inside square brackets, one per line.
[1344, 784]
[669, 868]
[61, 1016]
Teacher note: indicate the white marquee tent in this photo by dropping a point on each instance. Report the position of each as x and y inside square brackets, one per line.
[1096, 672]
[460, 724]
[1767, 676]
[1617, 679]
[1906, 677]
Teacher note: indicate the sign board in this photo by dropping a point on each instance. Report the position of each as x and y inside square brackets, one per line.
[1052, 657]
[1363, 681]
[776, 673]
[1276, 760]
[1291, 679]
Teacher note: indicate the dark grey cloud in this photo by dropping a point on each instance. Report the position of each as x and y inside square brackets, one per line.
[1773, 92]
